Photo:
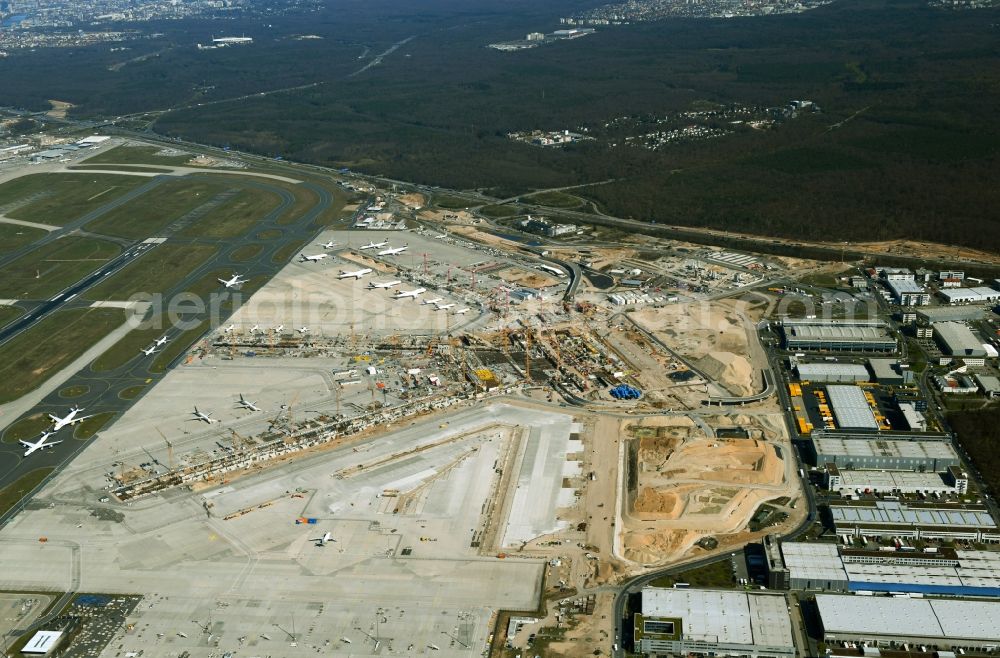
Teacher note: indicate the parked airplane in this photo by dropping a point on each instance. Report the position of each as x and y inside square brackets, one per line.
[254, 329]
[233, 282]
[374, 245]
[69, 419]
[279, 328]
[357, 274]
[327, 245]
[39, 444]
[247, 404]
[230, 329]
[149, 350]
[444, 307]
[393, 251]
[384, 286]
[312, 259]
[400, 294]
[198, 415]
[161, 341]
[303, 330]
[462, 311]
[432, 301]
[322, 541]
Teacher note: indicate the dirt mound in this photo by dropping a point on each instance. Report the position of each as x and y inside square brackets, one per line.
[733, 371]
[647, 548]
[656, 504]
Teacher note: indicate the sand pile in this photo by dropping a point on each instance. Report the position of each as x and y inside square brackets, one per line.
[653, 503]
[646, 548]
[733, 371]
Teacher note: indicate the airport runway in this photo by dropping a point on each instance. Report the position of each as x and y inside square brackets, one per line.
[104, 389]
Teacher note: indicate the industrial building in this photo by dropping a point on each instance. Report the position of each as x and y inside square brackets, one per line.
[889, 372]
[989, 385]
[832, 372]
[925, 520]
[946, 572]
[851, 409]
[838, 335]
[978, 295]
[893, 622]
[709, 623]
[932, 314]
[43, 643]
[777, 572]
[908, 292]
[893, 482]
[888, 451]
[957, 340]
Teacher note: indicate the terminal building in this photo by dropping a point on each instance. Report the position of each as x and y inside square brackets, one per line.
[881, 621]
[710, 623]
[917, 520]
[946, 572]
[884, 451]
[838, 335]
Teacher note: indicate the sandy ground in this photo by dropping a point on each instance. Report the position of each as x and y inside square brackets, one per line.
[59, 109]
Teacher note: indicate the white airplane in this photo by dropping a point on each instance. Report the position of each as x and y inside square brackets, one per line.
[149, 350]
[394, 251]
[433, 301]
[198, 415]
[39, 444]
[254, 329]
[374, 245]
[279, 328]
[233, 282]
[384, 286]
[230, 329]
[327, 245]
[400, 294]
[247, 404]
[462, 311]
[312, 259]
[69, 419]
[444, 307]
[322, 541]
[161, 341]
[303, 330]
[357, 274]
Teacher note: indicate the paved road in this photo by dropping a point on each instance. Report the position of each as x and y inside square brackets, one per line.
[104, 389]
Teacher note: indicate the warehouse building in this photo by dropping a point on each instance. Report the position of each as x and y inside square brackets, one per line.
[979, 295]
[851, 409]
[946, 571]
[832, 372]
[932, 314]
[925, 520]
[889, 372]
[908, 292]
[838, 335]
[710, 623]
[893, 622]
[884, 451]
[957, 340]
[891, 482]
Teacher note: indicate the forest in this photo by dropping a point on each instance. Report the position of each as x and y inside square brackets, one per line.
[905, 144]
[979, 433]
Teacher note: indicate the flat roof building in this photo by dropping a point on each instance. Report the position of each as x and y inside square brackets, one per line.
[908, 292]
[43, 643]
[832, 372]
[890, 621]
[956, 339]
[838, 335]
[847, 482]
[884, 451]
[850, 408]
[978, 295]
[928, 520]
[887, 371]
[711, 622]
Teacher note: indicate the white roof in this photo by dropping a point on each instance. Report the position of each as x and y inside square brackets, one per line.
[42, 642]
[850, 408]
[94, 139]
[820, 370]
[931, 618]
[905, 287]
[886, 447]
[723, 617]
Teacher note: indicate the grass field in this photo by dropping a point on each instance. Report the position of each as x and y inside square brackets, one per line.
[156, 271]
[91, 426]
[132, 392]
[269, 234]
[8, 314]
[30, 358]
[138, 168]
[12, 494]
[151, 212]
[126, 349]
[499, 212]
[717, 574]
[50, 268]
[26, 428]
[554, 199]
[14, 237]
[73, 391]
[246, 253]
[451, 202]
[137, 155]
[64, 197]
[236, 216]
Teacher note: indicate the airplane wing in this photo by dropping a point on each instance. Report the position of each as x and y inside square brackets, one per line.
[77, 420]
